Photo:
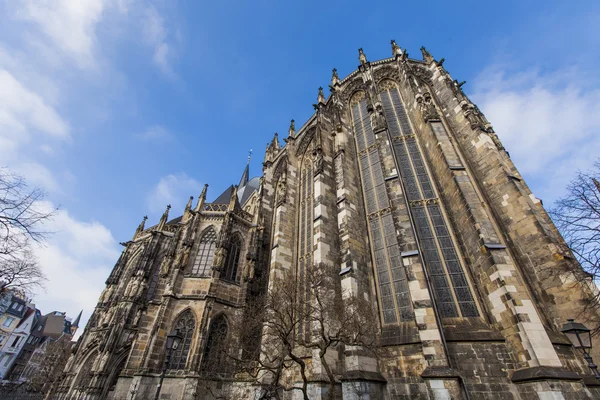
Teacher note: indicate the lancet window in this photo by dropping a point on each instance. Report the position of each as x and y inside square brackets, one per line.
[305, 245]
[233, 259]
[215, 351]
[185, 324]
[452, 291]
[206, 251]
[389, 270]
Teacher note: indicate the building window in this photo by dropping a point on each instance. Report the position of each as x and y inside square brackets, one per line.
[215, 351]
[20, 307]
[390, 275]
[185, 324]
[440, 255]
[15, 342]
[233, 258]
[8, 322]
[206, 250]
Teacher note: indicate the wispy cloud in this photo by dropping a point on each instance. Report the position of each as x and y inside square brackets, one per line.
[77, 259]
[174, 189]
[70, 25]
[156, 133]
[156, 35]
[549, 122]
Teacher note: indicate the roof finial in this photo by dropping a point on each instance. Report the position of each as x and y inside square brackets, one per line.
[361, 56]
[292, 130]
[335, 79]
[201, 199]
[163, 219]
[321, 96]
[140, 227]
[249, 156]
[426, 55]
[396, 50]
[188, 206]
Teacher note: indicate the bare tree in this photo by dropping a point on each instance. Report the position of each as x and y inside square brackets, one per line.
[279, 332]
[577, 216]
[21, 218]
[54, 359]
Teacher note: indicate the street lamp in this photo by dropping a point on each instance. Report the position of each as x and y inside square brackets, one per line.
[580, 337]
[173, 341]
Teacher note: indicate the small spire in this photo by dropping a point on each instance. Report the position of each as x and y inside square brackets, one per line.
[201, 199]
[77, 320]
[426, 55]
[163, 219]
[188, 206]
[361, 56]
[396, 50]
[335, 79]
[233, 199]
[292, 130]
[321, 96]
[140, 227]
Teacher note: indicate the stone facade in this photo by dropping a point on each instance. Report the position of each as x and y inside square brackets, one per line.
[401, 182]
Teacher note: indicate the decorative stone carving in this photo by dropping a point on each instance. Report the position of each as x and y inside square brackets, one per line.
[361, 56]
[396, 50]
[335, 79]
[377, 118]
[426, 107]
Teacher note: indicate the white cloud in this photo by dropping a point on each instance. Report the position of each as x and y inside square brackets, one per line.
[172, 189]
[156, 133]
[77, 259]
[549, 122]
[71, 25]
[155, 35]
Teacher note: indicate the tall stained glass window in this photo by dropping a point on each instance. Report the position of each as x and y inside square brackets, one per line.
[452, 291]
[305, 246]
[389, 270]
[233, 259]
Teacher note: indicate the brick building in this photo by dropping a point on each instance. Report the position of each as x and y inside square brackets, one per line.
[398, 180]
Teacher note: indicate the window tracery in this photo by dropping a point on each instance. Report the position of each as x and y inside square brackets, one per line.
[185, 324]
[206, 251]
[215, 351]
[233, 259]
[452, 291]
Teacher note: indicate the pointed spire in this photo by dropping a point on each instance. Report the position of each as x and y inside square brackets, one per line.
[335, 79]
[201, 199]
[275, 142]
[163, 219]
[426, 55]
[246, 173]
[396, 50]
[361, 56]
[140, 227]
[292, 130]
[188, 206]
[77, 320]
[321, 96]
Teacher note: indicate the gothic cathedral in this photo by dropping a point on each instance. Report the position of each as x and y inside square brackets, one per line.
[399, 182]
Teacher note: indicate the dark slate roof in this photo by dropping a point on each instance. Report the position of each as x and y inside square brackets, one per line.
[244, 192]
[175, 220]
[225, 197]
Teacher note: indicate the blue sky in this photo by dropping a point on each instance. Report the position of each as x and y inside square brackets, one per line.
[120, 107]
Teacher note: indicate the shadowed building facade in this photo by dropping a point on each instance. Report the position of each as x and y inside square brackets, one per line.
[398, 180]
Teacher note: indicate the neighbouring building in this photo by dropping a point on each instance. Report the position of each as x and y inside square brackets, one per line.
[400, 181]
[50, 333]
[15, 327]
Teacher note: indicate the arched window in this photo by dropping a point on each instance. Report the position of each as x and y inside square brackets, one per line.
[215, 351]
[85, 373]
[185, 324]
[233, 258]
[206, 250]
